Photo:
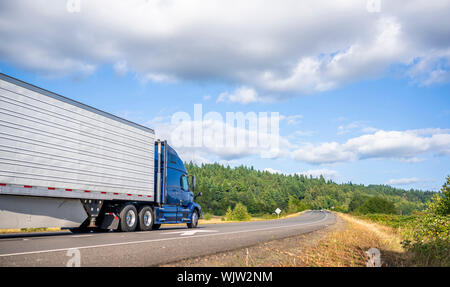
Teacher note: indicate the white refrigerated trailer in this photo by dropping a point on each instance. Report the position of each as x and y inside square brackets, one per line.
[66, 164]
[61, 159]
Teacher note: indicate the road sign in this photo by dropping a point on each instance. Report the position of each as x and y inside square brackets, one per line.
[278, 211]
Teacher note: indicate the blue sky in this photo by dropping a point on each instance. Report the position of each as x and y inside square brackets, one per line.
[368, 105]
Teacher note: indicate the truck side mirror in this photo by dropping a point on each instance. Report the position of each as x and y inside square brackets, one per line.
[194, 182]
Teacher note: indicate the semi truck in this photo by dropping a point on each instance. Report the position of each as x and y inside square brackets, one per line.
[66, 164]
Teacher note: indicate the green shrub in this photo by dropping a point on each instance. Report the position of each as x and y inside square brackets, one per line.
[239, 213]
[428, 237]
[229, 214]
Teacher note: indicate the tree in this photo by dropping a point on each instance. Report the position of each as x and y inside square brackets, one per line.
[440, 203]
[357, 201]
[377, 205]
[262, 192]
[292, 205]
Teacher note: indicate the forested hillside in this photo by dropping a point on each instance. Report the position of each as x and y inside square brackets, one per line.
[262, 192]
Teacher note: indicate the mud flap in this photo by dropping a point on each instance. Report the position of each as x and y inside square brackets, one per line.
[110, 221]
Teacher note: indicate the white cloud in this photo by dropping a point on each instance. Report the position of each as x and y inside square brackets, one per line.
[429, 131]
[412, 160]
[432, 68]
[213, 144]
[382, 144]
[404, 146]
[121, 67]
[403, 181]
[369, 129]
[411, 146]
[356, 125]
[292, 119]
[321, 73]
[275, 50]
[158, 78]
[243, 95]
[323, 153]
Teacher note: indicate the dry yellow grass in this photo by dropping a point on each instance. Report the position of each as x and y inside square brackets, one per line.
[348, 247]
[343, 244]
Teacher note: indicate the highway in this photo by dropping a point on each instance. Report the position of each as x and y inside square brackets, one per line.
[151, 248]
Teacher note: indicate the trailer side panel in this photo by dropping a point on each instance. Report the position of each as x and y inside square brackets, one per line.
[35, 212]
[47, 140]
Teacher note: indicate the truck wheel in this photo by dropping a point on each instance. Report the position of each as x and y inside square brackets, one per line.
[128, 218]
[156, 226]
[146, 218]
[194, 220]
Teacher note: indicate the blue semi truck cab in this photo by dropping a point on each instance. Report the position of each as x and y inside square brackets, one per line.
[174, 189]
[174, 200]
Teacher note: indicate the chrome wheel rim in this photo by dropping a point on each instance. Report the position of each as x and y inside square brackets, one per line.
[194, 218]
[131, 218]
[147, 218]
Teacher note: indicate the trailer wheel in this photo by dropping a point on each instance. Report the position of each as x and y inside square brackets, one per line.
[194, 220]
[146, 218]
[156, 226]
[128, 218]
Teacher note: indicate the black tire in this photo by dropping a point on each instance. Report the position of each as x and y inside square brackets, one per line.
[128, 218]
[156, 226]
[194, 220]
[146, 218]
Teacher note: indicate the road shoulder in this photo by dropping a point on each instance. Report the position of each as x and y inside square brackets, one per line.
[280, 252]
[343, 244]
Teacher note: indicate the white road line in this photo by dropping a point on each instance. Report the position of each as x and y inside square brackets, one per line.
[161, 239]
[190, 232]
[85, 235]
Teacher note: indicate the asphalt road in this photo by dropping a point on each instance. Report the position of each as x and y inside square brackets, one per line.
[169, 244]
